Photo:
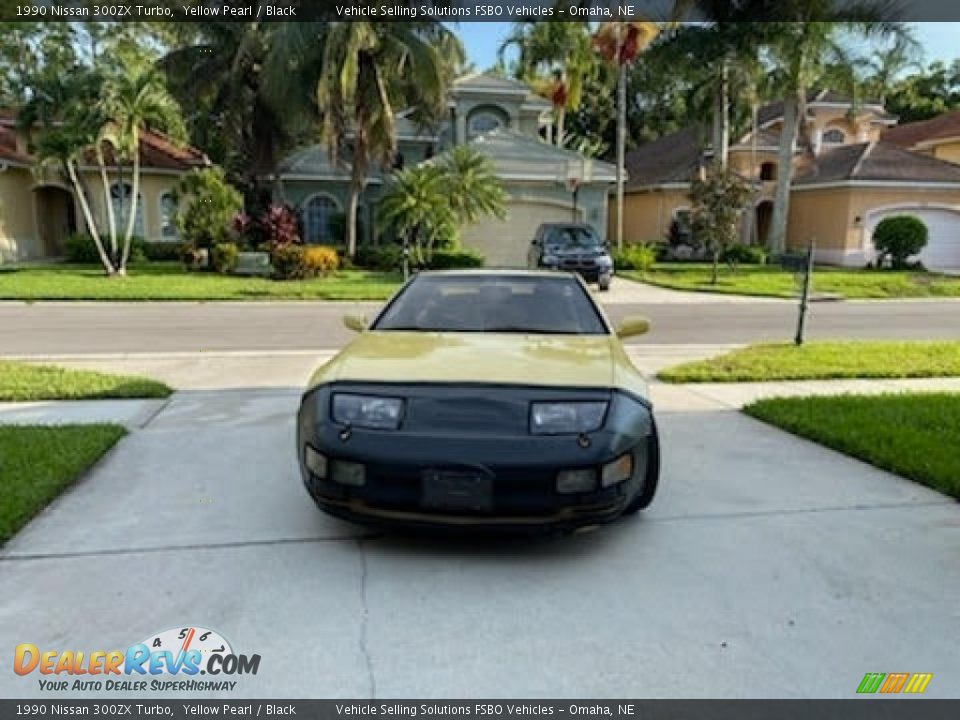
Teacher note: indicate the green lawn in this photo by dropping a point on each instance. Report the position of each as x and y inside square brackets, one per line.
[771, 281]
[913, 435]
[22, 382]
[823, 361]
[169, 281]
[37, 463]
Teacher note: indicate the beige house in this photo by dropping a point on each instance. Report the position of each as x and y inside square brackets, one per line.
[859, 174]
[39, 210]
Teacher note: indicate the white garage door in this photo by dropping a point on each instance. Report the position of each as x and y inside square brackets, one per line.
[942, 252]
[504, 243]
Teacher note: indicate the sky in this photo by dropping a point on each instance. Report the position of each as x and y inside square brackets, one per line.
[940, 41]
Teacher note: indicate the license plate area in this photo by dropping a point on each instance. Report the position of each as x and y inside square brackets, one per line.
[457, 490]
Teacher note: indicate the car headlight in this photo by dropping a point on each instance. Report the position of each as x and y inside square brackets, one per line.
[605, 261]
[560, 418]
[367, 411]
[551, 260]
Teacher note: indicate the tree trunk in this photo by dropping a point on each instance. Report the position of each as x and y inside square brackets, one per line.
[561, 121]
[721, 121]
[352, 202]
[131, 221]
[716, 263]
[788, 143]
[111, 218]
[88, 217]
[621, 140]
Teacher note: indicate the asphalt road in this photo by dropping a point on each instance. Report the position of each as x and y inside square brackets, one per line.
[767, 567]
[75, 328]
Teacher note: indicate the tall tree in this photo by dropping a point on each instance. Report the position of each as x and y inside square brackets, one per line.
[370, 71]
[556, 59]
[134, 99]
[802, 51]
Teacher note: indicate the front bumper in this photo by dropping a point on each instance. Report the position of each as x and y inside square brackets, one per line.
[517, 471]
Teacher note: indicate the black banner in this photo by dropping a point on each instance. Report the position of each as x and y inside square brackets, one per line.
[460, 10]
[865, 709]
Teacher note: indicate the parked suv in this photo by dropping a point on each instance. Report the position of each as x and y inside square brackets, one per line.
[574, 247]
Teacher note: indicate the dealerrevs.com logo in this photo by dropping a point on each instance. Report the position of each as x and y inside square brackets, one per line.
[168, 661]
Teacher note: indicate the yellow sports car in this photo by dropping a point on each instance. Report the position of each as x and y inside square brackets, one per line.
[501, 399]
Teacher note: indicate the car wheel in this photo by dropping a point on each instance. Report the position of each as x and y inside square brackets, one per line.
[649, 489]
[604, 283]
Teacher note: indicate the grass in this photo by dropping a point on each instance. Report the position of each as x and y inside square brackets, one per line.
[37, 463]
[169, 281]
[823, 361]
[22, 382]
[771, 281]
[913, 435]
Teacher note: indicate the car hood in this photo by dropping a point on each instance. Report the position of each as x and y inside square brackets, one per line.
[501, 358]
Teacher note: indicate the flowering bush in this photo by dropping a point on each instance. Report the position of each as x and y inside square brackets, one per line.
[319, 260]
[278, 226]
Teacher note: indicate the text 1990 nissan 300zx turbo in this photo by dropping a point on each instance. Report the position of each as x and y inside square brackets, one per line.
[499, 399]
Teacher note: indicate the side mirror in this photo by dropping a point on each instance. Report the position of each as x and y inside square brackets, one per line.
[357, 323]
[632, 325]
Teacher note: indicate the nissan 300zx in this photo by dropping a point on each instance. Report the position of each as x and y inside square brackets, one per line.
[500, 399]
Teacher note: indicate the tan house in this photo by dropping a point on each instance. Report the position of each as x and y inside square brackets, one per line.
[857, 176]
[39, 210]
[938, 137]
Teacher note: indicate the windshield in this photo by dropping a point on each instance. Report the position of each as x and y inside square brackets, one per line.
[490, 303]
[570, 238]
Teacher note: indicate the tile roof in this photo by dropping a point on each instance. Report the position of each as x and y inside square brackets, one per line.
[774, 110]
[876, 161]
[157, 151]
[673, 158]
[915, 133]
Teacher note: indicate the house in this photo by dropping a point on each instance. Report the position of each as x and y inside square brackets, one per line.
[858, 175]
[39, 210]
[501, 118]
[938, 137]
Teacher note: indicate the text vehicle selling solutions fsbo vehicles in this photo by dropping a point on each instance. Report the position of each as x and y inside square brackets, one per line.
[499, 399]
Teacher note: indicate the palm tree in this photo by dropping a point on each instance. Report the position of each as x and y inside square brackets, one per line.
[62, 126]
[620, 43]
[802, 53]
[371, 70]
[133, 100]
[556, 59]
[473, 189]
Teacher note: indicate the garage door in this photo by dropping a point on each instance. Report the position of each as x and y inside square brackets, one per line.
[504, 243]
[942, 252]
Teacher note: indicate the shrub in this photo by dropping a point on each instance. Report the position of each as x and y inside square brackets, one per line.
[287, 261]
[384, 258]
[163, 251]
[899, 237]
[80, 248]
[278, 226]
[635, 257]
[224, 257]
[206, 207]
[319, 261]
[743, 255]
[454, 260]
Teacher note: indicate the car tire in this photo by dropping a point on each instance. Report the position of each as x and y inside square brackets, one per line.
[649, 489]
[603, 283]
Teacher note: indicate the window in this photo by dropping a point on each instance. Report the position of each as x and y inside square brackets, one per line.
[768, 172]
[121, 196]
[482, 122]
[168, 211]
[496, 304]
[316, 215]
[834, 136]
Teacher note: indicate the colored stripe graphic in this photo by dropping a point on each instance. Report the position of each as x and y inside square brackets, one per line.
[918, 682]
[871, 682]
[894, 682]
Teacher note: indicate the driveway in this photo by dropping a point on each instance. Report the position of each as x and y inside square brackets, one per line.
[767, 567]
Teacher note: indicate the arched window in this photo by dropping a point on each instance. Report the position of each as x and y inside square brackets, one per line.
[834, 136]
[768, 172]
[121, 197]
[483, 121]
[316, 214]
[168, 210]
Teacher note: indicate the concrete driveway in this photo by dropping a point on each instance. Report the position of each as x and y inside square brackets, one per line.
[767, 567]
